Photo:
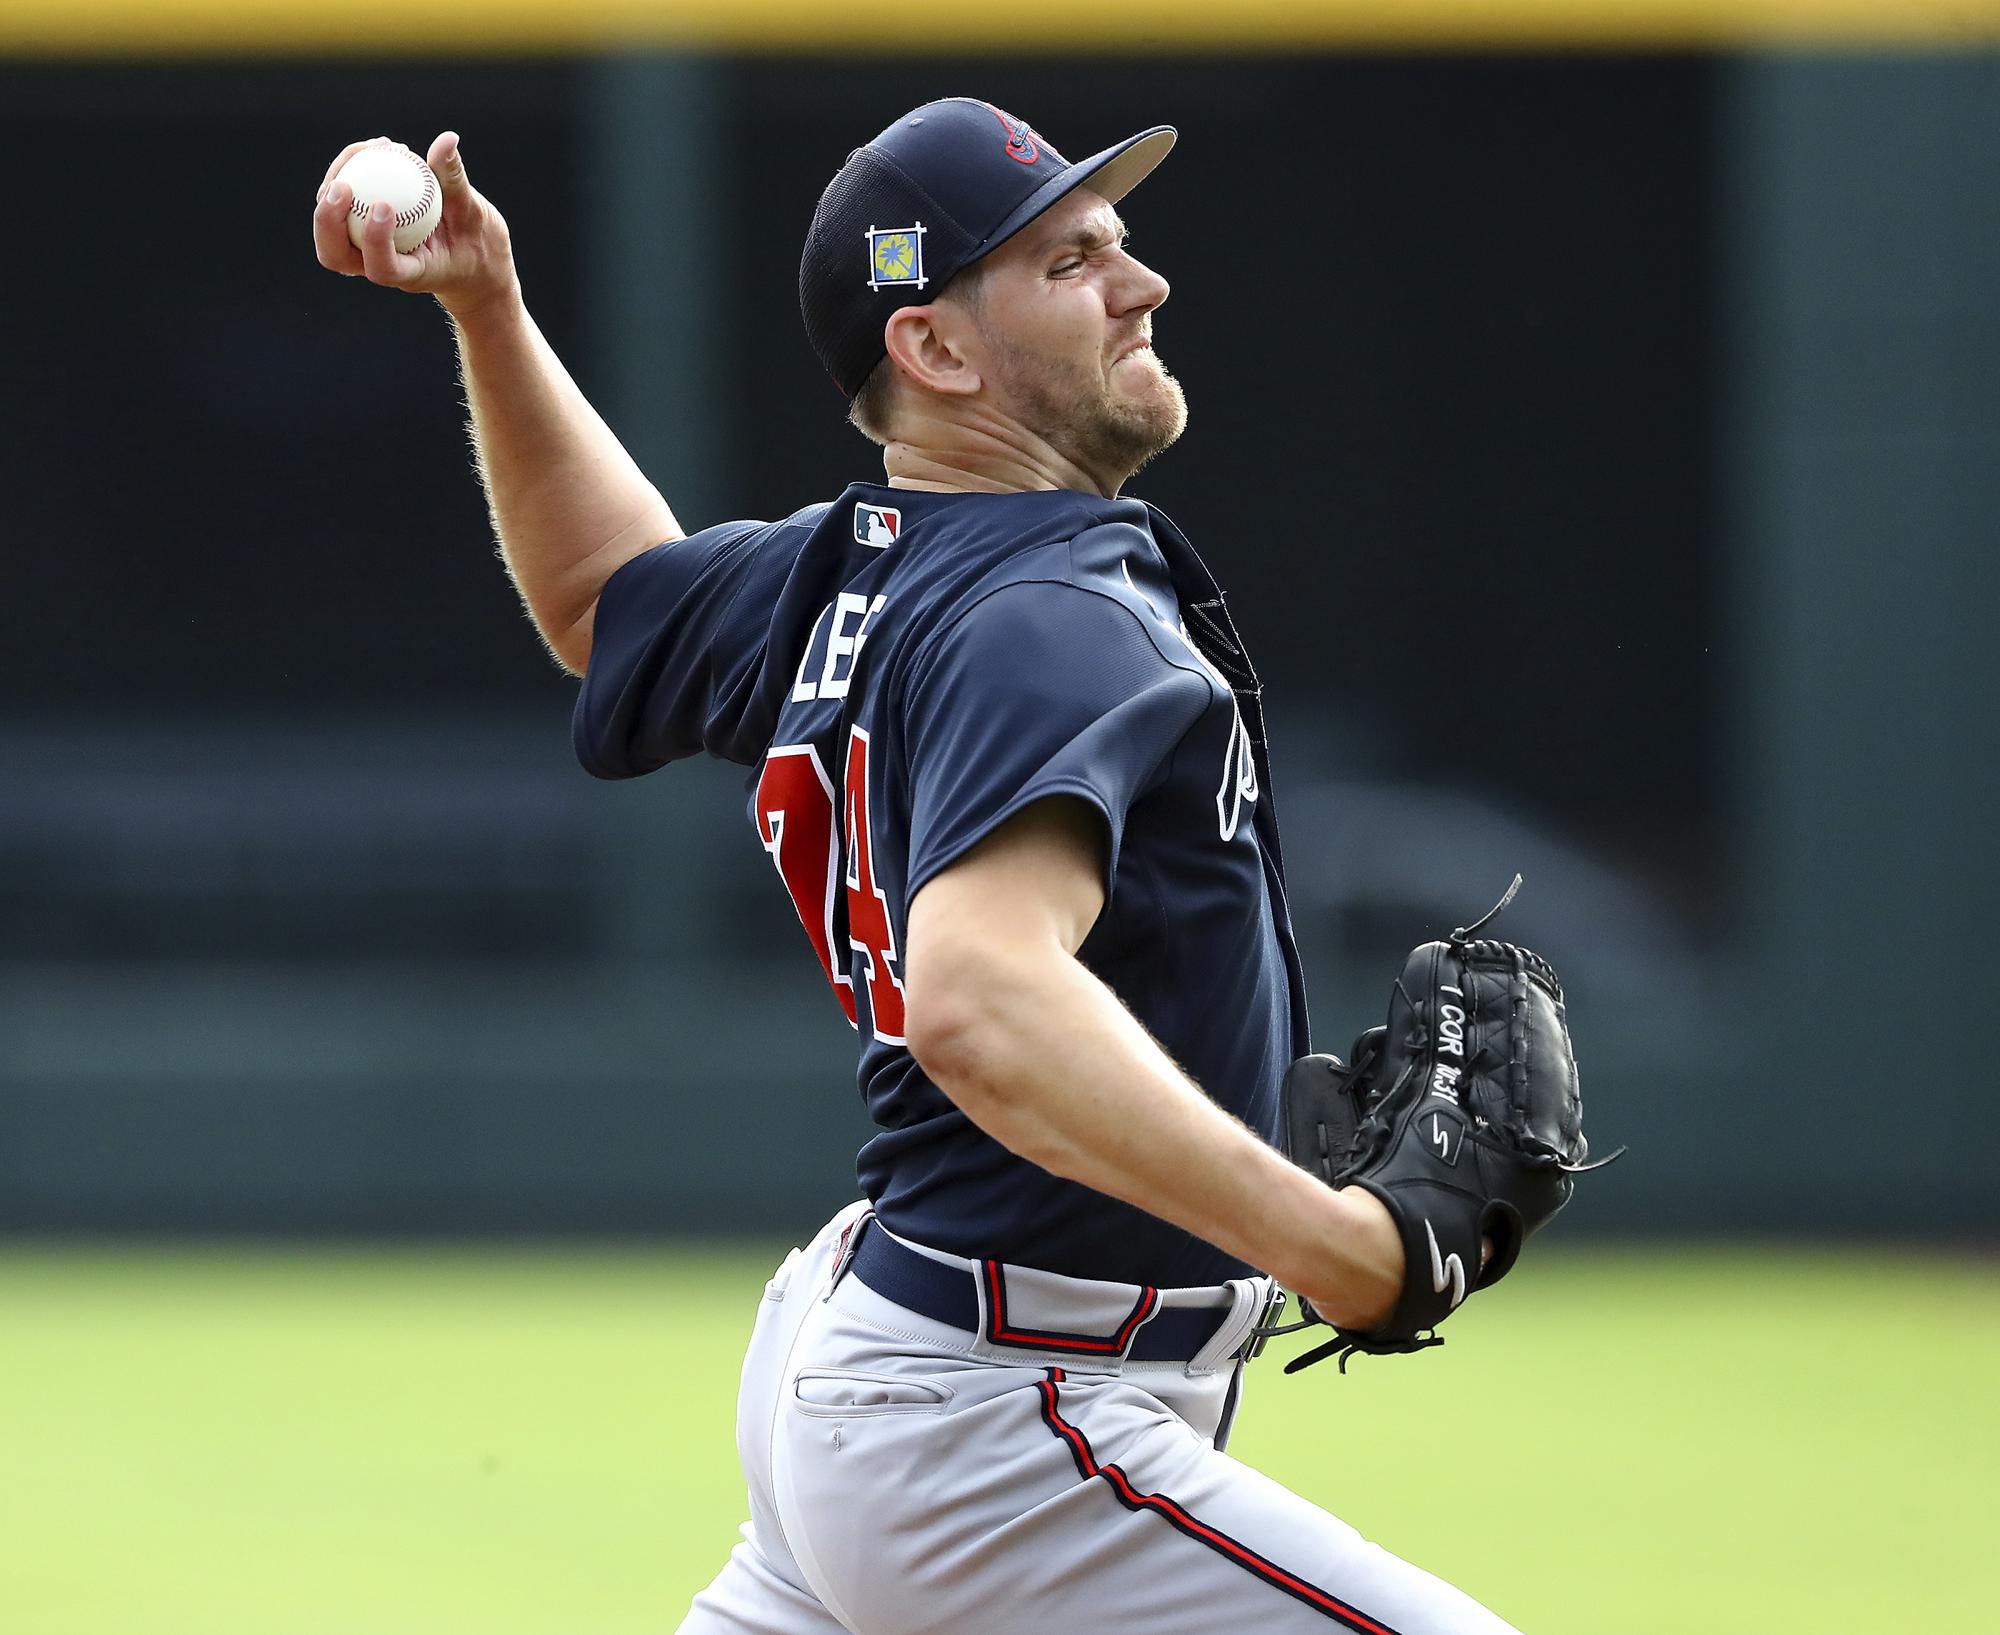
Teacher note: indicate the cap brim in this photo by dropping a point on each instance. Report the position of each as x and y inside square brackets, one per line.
[1112, 173]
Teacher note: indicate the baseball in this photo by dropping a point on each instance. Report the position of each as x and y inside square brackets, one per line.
[391, 174]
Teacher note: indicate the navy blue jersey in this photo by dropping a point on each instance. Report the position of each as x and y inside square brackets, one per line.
[904, 671]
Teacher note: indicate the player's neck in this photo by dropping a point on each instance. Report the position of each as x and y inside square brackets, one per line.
[985, 456]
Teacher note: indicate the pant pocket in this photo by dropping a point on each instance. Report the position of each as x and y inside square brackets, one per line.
[848, 1393]
[781, 1279]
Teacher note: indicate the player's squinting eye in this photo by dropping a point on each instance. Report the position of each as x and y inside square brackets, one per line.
[1072, 261]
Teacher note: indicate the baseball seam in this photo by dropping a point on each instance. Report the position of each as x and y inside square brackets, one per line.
[361, 206]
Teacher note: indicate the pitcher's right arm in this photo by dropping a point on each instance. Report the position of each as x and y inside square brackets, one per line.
[569, 505]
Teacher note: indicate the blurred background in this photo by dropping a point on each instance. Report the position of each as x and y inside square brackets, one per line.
[1596, 420]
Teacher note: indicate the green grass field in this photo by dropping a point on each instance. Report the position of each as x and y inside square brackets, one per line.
[427, 1443]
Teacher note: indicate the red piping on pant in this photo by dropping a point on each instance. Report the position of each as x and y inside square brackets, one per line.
[1176, 1516]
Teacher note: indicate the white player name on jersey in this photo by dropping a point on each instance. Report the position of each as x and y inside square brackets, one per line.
[852, 617]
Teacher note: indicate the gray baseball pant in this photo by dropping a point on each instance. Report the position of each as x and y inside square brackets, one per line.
[911, 1478]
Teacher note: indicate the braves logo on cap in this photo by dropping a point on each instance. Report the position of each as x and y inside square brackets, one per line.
[1021, 144]
[896, 255]
[877, 525]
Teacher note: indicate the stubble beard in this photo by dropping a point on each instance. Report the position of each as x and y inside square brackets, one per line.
[1084, 417]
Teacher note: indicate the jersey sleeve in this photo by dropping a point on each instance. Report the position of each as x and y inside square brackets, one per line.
[675, 647]
[1039, 689]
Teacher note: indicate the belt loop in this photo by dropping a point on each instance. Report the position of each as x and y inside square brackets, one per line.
[1247, 1296]
[843, 1254]
[1266, 1324]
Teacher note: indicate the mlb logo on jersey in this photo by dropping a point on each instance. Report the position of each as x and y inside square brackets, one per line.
[896, 256]
[877, 525]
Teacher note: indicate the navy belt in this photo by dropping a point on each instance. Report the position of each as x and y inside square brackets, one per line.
[950, 1295]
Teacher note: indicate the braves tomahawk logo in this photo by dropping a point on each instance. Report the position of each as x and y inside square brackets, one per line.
[1022, 147]
[1239, 760]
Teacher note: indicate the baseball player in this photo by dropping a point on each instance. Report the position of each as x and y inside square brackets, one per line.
[1006, 754]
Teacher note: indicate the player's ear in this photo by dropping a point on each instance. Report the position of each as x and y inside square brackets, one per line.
[927, 345]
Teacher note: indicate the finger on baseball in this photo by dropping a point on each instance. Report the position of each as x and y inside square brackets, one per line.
[335, 249]
[380, 260]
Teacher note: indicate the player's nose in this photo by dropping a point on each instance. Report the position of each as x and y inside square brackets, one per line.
[1139, 289]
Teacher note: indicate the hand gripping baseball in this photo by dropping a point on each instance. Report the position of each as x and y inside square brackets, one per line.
[467, 261]
[1462, 1115]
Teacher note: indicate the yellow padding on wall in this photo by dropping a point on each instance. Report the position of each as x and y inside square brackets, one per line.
[466, 27]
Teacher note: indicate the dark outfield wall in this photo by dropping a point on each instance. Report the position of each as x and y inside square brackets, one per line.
[1502, 375]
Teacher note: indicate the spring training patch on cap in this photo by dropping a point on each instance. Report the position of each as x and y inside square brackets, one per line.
[896, 256]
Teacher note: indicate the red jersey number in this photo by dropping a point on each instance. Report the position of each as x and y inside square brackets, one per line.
[868, 931]
[795, 820]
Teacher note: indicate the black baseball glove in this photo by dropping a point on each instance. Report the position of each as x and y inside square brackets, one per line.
[1463, 1115]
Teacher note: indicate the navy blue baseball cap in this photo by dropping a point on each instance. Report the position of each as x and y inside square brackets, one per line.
[943, 186]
